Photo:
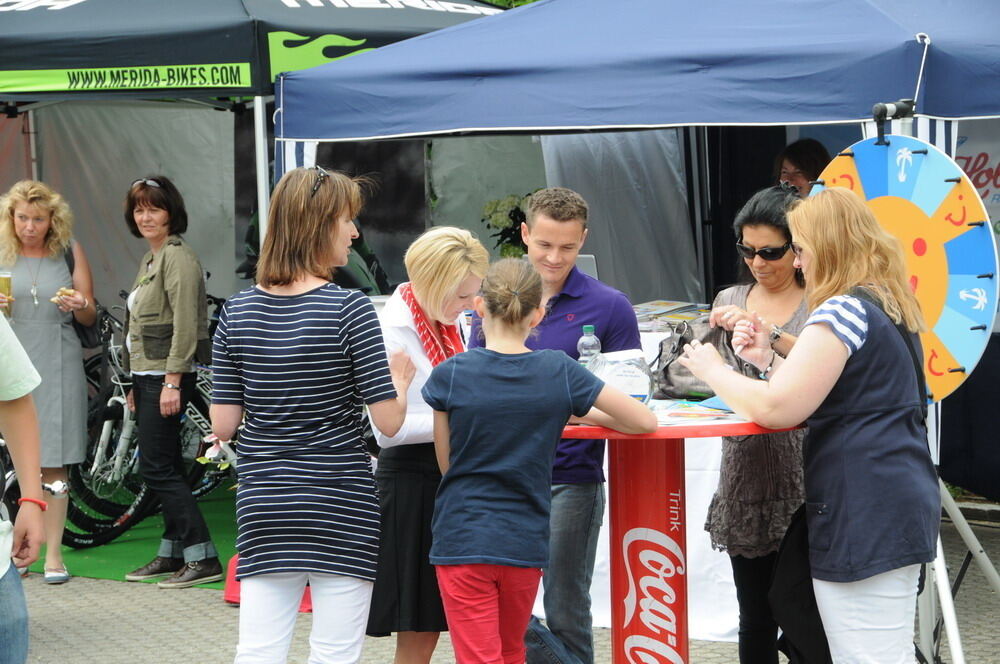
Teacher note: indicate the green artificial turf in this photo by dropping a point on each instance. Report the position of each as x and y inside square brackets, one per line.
[139, 544]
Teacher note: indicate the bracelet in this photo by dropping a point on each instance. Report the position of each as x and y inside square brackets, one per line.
[765, 374]
[38, 501]
[171, 385]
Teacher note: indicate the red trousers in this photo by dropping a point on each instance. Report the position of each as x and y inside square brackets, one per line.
[488, 608]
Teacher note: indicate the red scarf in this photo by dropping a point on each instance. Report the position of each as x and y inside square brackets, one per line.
[436, 352]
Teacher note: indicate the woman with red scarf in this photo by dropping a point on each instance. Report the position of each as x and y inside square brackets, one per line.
[446, 267]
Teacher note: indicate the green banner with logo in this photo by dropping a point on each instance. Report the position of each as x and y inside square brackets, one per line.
[219, 75]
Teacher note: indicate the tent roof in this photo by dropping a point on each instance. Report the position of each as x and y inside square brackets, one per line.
[195, 48]
[579, 65]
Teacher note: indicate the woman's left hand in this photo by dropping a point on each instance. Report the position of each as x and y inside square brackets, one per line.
[170, 401]
[69, 299]
[700, 358]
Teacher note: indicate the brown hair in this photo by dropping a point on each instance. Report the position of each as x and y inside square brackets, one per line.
[39, 194]
[850, 249]
[512, 290]
[305, 207]
[159, 192]
[558, 203]
[806, 154]
[438, 261]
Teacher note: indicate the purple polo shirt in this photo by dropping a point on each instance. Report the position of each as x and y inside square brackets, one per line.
[582, 301]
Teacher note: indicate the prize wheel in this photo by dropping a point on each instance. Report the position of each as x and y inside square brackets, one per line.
[922, 197]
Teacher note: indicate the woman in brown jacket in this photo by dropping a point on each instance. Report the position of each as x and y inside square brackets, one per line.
[166, 331]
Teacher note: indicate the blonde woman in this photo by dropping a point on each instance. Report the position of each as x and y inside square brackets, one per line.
[52, 287]
[872, 502]
[298, 356]
[446, 268]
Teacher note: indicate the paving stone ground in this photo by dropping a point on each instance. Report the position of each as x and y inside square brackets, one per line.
[90, 621]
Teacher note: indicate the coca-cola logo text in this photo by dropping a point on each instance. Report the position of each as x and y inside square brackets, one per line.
[658, 577]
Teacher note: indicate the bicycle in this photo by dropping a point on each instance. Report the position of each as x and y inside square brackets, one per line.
[107, 495]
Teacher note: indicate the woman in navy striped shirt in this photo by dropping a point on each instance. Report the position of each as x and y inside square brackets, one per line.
[296, 358]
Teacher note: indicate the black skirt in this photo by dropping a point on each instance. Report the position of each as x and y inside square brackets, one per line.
[406, 596]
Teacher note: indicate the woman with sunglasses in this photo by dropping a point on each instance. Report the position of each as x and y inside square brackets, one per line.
[166, 332]
[760, 483]
[873, 506]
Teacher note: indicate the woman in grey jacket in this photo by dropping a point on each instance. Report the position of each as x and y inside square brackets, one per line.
[166, 332]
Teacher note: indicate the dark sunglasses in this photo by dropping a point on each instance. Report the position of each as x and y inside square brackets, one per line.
[320, 176]
[146, 181]
[767, 253]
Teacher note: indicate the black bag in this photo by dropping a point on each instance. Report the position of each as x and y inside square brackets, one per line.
[89, 335]
[674, 381]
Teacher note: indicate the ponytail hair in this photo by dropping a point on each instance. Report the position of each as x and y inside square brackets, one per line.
[512, 290]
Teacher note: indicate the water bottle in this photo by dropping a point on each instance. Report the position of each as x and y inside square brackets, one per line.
[589, 346]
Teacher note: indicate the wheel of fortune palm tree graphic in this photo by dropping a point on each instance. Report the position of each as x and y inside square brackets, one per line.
[923, 198]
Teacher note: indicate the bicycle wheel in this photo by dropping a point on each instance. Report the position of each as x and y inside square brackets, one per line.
[134, 513]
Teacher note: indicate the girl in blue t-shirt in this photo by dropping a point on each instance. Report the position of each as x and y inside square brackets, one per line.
[499, 412]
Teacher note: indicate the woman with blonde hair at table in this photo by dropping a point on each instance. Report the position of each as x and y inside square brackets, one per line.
[446, 266]
[873, 507]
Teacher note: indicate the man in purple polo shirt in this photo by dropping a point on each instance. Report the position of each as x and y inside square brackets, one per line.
[555, 230]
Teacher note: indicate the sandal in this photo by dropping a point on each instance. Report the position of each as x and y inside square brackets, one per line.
[56, 575]
[23, 571]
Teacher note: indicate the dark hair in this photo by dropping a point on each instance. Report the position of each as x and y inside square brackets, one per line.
[806, 154]
[165, 196]
[302, 223]
[512, 290]
[768, 207]
[558, 203]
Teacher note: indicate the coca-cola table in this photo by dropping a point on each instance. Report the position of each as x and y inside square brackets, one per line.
[647, 534]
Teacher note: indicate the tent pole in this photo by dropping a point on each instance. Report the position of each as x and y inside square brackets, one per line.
[260, 159]
[32, 146]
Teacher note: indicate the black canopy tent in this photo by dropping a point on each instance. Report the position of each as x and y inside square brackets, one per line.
[229, 49]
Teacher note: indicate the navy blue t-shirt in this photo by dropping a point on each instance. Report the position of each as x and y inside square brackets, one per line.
[506, 413]
[582, 301]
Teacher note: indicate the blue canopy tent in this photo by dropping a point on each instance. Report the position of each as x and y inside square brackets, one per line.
[584, 65]
[590, 65]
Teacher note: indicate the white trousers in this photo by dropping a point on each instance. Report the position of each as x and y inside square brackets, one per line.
[269, 604]
[870, 621]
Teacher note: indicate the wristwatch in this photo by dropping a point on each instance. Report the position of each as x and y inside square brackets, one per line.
[776, 333]
[171, 386]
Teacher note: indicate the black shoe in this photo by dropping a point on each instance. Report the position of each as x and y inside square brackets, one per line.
[155, 568]
[194, 573]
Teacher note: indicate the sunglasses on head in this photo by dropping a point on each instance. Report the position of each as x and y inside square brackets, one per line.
[767, 253]
[321, 175]
[146, 181]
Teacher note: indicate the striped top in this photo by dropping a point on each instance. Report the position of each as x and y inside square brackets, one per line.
[846, 317]
[302, 366]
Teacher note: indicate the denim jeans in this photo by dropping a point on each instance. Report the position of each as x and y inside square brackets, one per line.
[575, 521]
[185, 533]
[13, 618]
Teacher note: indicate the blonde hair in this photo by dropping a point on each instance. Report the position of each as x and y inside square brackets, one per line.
[849, 248]
[32, 192]
[306, 205]
[512, 290]
[438, 261]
